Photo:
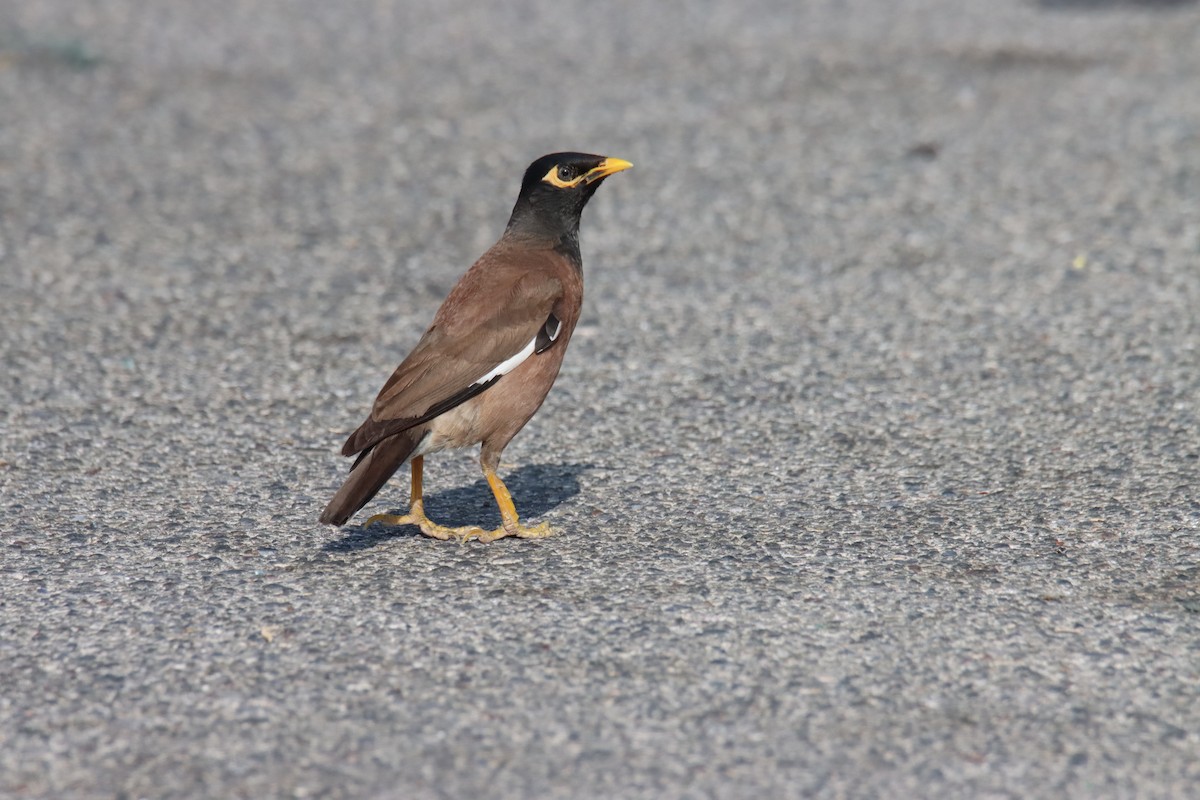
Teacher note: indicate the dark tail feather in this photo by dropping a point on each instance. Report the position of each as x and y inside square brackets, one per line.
[368, 476]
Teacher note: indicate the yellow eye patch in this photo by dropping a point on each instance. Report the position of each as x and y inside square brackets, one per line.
[602, 170]
[552, 178]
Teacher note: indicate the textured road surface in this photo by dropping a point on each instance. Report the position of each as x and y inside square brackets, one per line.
[875, 459]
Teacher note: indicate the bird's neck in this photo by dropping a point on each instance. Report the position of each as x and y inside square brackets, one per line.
[561, 239]
[568, 245]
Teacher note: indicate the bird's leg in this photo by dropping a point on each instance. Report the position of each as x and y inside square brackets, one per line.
[508, 513]
[416, 513]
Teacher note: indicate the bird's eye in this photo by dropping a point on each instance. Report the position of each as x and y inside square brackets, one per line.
[564, 174]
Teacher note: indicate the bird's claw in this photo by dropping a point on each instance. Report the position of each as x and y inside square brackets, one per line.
[428, 526]
[464, 534]
[539, 531]
[393, 520]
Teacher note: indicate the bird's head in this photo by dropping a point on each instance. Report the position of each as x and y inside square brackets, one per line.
[555, 190]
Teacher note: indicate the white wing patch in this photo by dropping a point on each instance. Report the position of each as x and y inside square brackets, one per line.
[509, 364]
[548, 334]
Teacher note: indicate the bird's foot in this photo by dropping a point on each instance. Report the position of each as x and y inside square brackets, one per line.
[539, 531]
[428, 526]
[392, 520]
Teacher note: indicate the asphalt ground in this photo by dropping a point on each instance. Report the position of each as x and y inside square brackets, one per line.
[873, 463]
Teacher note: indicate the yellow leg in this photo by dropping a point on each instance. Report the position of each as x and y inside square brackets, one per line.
[416, 513]
[508, 514]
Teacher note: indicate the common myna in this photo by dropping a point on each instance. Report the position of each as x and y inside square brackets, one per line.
[490, 356]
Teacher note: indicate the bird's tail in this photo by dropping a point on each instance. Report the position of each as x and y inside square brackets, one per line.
[369, 474]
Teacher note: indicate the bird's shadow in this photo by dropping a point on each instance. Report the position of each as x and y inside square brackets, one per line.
[536, 489]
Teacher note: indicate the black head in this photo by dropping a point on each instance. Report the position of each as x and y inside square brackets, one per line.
[555, 190]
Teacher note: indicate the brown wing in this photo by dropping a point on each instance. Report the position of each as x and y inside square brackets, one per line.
[493, 312]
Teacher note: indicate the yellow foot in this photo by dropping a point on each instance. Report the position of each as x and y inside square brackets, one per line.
[539, 531]
[428, 526]
[390, 519]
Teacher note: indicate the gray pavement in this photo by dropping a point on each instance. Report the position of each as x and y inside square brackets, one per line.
[874, 459]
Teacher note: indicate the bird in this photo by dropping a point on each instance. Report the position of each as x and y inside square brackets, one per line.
[488, 359]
